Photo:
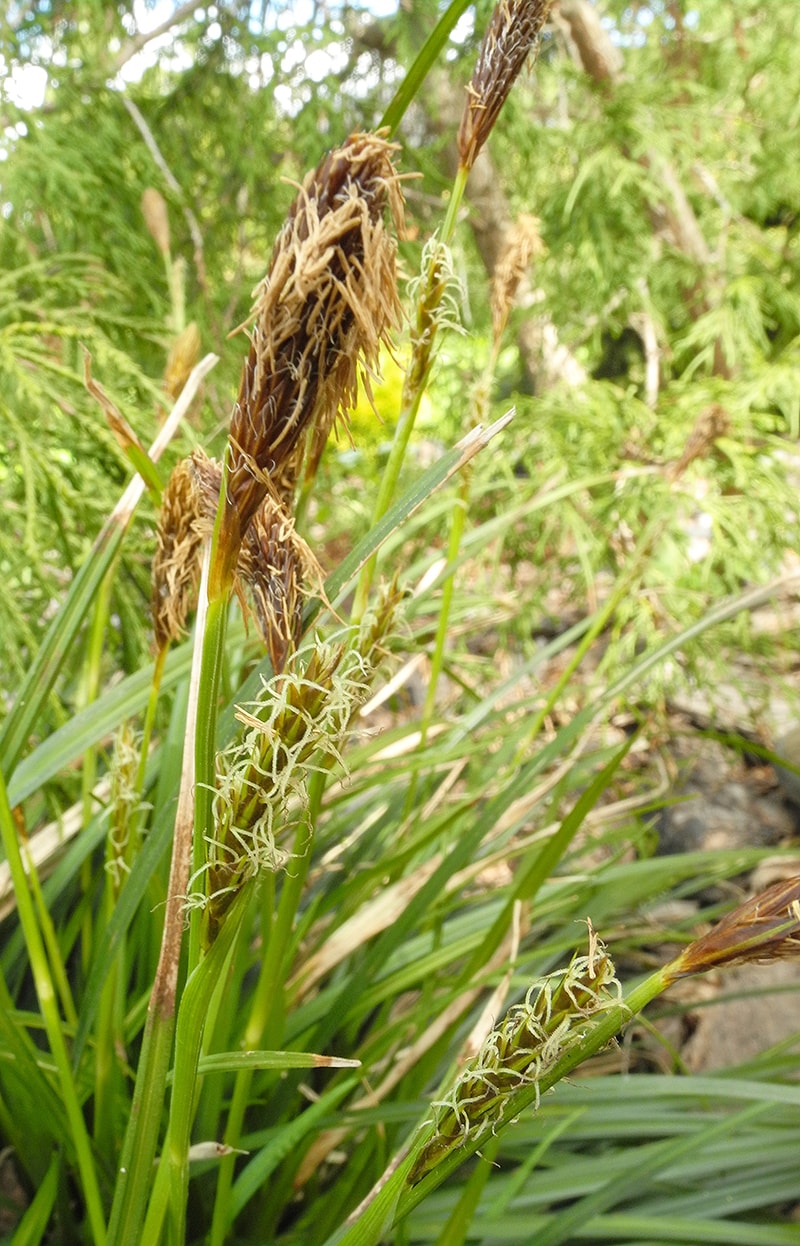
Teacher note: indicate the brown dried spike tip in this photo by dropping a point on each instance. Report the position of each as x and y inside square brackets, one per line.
[176, 564]
[512, 35]
[156, 218]
[764, 928]
[326, 304]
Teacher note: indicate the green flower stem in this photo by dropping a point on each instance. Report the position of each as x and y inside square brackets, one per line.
[135, 1172]
[454, 204]
[197, 794]
[269, 988]
[405, 425]
[419, 368]
[205, 751]
[480, 404]
[47, 1001]
[457, 523]
[176, 283]
[150, 718]
[90, 687]
[172, 1180]
[109, 1090]
[396, 1199]
[134, 1178]
[106, 1036]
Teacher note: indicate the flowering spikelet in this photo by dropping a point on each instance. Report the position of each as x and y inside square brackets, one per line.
[328, 301]
[530, 1039]
[512, 35]
[764, 928]
[274, 562]
[156, 218]
[297, 725]
[124, 804]
[524, 242]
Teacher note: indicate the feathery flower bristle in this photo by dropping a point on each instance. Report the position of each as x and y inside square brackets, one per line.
[513, 33]
[298, 725]
[327, 303]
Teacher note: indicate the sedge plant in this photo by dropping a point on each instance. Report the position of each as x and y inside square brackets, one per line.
[349, 904]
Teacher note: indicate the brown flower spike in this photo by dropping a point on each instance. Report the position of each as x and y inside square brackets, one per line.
[513, 33]
[176, 563]
[764, 928]
[328, 301]
[274, 562]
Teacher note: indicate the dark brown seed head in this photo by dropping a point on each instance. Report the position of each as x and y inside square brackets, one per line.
[328, 301]
[512, 35]
[764, 928]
